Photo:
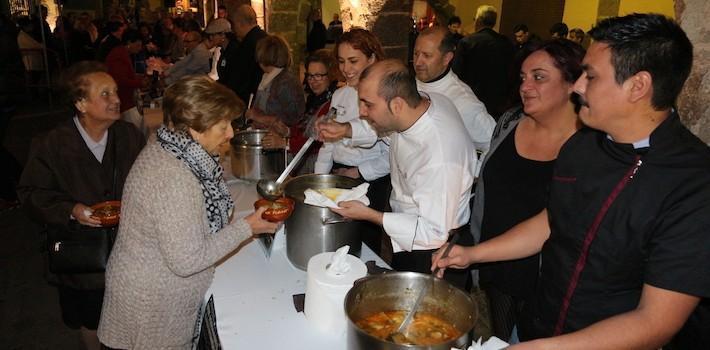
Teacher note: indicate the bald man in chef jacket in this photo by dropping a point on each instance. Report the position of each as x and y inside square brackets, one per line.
[432, 161]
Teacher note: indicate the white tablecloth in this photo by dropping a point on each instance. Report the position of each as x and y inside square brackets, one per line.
[253, 295]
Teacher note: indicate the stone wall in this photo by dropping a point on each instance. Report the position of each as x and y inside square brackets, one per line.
[289, 18]
[694, 101]
[389, 20]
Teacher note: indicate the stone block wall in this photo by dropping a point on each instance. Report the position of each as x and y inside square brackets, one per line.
[694, 101]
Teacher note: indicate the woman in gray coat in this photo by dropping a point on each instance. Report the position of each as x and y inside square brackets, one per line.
[176, 223]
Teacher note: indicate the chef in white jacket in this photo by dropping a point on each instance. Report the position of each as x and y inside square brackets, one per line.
[432, 164]
[433, 52]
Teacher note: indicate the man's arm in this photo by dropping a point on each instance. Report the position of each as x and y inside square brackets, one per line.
[523, 240]
[659, 315]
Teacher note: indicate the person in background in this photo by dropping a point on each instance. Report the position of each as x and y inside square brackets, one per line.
[483, 60]
[279, 102]
[576, 35]
[197, 60]
[335, 29]
[219, 34]
[623, 239]
[356, 50]
[559, 31]
[174, 48]
[524, 39]
[322, 81]
[72, 168]
[433, 52]
[81, 39]
[112, 39]
[237, 67]
[455, 28]
[222, 12]
[177, 222]
[317, 35]
[432, 161]
[517, 173]
[120, 67]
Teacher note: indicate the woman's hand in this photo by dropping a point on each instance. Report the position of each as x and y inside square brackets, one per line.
[259, 225]
[82, 214]
[273, 140]
[459, 257]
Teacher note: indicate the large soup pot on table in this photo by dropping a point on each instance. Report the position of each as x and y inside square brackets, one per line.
[311, 230]
[251, 161]
[395, 291]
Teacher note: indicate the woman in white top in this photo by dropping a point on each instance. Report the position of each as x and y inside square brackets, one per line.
[355, 51]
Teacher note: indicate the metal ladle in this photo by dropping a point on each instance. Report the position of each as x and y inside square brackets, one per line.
[271, 189]
[400, 335]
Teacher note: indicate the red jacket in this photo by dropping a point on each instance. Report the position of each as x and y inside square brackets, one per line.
[120, 67]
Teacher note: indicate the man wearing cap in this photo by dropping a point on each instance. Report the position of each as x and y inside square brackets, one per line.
[237, 66]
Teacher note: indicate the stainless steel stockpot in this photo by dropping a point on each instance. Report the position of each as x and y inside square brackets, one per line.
[251, 161]
[311, 230]
[393, 291]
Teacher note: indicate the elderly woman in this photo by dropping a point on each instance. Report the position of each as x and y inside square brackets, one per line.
[81, 162]
[517, 171]
[176, 223]
[279, 102]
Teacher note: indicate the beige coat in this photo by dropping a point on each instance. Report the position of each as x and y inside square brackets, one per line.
[164, 256]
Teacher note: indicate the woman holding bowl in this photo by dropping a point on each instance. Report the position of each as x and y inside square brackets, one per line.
[177, 223]
[81, 162]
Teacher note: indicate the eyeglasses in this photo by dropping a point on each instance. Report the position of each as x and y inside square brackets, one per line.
[316, 76]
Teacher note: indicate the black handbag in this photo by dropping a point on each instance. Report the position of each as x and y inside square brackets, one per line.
[79, 248]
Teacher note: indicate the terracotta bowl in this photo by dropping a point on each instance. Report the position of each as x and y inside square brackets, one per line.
[108, 212]
[278, 210]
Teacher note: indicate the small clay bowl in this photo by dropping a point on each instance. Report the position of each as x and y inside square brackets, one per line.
[108, 212]
[278, 210]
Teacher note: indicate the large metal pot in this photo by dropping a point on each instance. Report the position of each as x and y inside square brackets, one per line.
[397, 291]
[311, 230]
[251, 161]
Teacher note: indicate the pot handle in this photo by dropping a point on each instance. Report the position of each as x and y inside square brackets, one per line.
[336, 220]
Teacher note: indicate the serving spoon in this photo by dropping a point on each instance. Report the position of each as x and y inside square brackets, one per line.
[400, 335]
[273, 190]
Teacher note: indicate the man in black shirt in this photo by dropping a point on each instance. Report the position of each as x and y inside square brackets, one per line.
[237, 66]
[624, 238]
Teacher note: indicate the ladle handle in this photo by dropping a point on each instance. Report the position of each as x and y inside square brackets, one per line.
[295, 160]
[453, 241]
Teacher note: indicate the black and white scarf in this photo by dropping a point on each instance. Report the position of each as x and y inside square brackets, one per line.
[208, 171]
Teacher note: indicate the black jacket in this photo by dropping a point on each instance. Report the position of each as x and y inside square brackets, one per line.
[482, 61]
[237, 67]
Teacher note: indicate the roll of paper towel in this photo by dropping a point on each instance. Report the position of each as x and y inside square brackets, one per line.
[325, 290]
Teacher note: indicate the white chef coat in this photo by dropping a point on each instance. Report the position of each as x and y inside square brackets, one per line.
[432, 170]
[372, 159]
[476, 119]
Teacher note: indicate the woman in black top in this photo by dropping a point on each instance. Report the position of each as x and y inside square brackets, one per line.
[518, 169]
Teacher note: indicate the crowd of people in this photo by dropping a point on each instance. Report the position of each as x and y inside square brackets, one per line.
[578, 200]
